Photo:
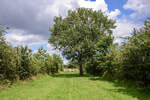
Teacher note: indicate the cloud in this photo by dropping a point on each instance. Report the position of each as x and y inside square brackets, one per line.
[30, 20]
[114, 14]
[19, 37]
[99, 5]
[124, 25]
[124, 28]
[33, 18]
[96, 5]
[51, 50]
[141, 8]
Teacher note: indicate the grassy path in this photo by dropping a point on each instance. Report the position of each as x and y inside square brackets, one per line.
[70, 86]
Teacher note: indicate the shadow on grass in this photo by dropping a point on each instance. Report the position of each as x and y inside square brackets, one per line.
[125, 88]
[119, 87]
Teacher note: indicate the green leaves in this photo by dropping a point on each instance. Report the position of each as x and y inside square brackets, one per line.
[23, 61]
[136, 55]
[77, 34]
[19, 63]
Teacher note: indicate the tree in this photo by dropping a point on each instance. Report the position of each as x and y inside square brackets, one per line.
[49, 65]
[72, 64]
[78, 34]
[136, 55]
[23, 61]
[57, 62]
[42, 55]
[7, 59]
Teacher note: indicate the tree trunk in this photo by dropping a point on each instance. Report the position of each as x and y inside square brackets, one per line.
[81, 70]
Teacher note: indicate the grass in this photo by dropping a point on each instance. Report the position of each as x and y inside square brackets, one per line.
[71, 86]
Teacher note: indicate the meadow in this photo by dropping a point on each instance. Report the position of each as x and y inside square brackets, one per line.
[72, 86]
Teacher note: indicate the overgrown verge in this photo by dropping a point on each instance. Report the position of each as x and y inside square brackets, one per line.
[8, 84]
[128, 62]
[20, 63]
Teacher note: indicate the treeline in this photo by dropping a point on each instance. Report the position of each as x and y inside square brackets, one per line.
[85, 36]
[20, 63]
[128, 61]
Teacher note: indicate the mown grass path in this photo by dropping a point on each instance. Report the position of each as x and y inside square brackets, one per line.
[70, 86]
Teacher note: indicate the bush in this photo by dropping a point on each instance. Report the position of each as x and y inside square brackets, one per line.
[136, 55]
[7, 63]
[23, 60]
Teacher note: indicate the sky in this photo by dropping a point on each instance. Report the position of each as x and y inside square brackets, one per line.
[29, 20]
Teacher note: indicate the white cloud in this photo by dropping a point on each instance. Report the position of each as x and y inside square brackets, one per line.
[114, 14]
[97, 5]
[33, 18]
[19, 37]
[32, 21]
[58, 7]
[124, 28]
[48, 9]
[51, 50]
[141, 7]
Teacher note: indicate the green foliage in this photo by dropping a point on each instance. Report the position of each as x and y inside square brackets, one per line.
[130, 61]
[2, 31]
[18, 63]
[112, 62]
[72, 64]
[41, 55]
[7, 63]
[7, 60]
[101, 61]
[136, 55]
[46, 63]
[80, 33]
[49, 65]
[84, 37]
[23, 59]
[35, 65]
[57, 63]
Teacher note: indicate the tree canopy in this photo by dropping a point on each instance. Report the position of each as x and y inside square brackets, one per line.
[81, 34]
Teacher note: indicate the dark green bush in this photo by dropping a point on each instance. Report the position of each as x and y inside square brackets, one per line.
[7, 62]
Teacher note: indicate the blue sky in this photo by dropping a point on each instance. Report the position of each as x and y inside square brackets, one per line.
[29, 20]
[118, 4]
